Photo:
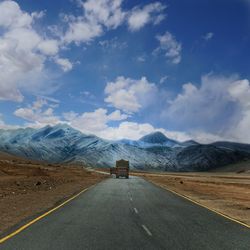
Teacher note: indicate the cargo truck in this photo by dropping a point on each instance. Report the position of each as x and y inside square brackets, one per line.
[121, 169]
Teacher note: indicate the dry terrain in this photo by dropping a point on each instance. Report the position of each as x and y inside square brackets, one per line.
[28, 188]
[225, 192]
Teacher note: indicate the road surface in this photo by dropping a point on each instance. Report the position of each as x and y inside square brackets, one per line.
[131, 214]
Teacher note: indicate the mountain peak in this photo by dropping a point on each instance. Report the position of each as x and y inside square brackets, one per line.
[155, 137]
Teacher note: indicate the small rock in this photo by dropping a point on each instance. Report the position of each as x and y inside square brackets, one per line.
[38, 183]
[181, 182]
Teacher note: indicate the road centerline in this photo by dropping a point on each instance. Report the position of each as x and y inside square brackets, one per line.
[146, 230]
[135, 209]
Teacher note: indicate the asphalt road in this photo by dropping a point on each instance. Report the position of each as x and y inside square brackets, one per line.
[131, 214]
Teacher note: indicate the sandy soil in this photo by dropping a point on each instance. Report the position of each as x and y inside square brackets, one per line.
[28, 188]
[228, 193]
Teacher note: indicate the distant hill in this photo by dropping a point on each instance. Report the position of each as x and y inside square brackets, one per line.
[63, 144]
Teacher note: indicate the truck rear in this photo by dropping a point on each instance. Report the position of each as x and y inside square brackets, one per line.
[122, 169]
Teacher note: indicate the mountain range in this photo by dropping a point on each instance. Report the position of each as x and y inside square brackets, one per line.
[64, 144]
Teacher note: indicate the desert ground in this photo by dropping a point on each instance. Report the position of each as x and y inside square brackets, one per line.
[28, 188]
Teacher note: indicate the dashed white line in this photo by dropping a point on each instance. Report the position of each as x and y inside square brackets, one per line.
[131, 198]
[147, 230]
[136, 211]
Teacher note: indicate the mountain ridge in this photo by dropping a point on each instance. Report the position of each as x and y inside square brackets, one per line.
[64, 144]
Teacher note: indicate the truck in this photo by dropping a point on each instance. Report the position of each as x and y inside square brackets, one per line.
[121, 169]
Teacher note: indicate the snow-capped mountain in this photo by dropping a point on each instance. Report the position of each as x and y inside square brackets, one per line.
[63, 144]
[159, 138]
[155, 139]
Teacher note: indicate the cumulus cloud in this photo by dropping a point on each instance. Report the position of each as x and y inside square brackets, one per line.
[101, 15]
[64, 63]
[240, 92]
[93, 122]
[82, 31]
[140, 16]
[12, 16]
[49, 47]
[97, 15]
[130, 95]
[220, 106]
[39, 114]
[170, 47]
[23, 52]
[106, 12]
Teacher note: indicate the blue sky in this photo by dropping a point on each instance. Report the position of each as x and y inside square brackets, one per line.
[122, 69]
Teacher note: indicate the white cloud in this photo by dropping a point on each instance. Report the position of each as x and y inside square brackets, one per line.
[70, 116]
[130, 95]
[17, 61]
[82, 31]
[101, 15]
[170, 47]
[49, 47]
[39, 114]
[240, 92]
[12, 16]
[134, 131]
[64, 63]
[97, 14]
[208, 36]
[93, 122]
[140, 16]
[128, 130]
[106, 12]
[163, 79]
[23, 52]
[113, 43]
[39, 14]
[220, 107]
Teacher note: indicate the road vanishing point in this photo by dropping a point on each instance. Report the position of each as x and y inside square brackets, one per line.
[130, 214]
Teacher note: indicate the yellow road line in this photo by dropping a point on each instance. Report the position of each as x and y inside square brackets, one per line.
[198, 203]
[42, 216]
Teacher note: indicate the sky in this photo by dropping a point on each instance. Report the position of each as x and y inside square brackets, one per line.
[124, 69]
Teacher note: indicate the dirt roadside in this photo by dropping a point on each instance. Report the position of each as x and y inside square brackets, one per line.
[28, 188]
[228, 193]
